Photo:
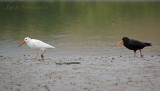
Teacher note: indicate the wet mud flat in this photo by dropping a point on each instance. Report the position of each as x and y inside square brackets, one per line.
[80, 73]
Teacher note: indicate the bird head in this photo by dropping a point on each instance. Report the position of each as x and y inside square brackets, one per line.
[124, 39]
[26, 40]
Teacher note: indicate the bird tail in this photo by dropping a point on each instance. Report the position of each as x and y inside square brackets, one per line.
[49, 46]
[148, 44]
[52, 47]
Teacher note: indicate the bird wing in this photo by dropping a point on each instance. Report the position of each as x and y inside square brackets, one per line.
[40, 44]
[136, 43]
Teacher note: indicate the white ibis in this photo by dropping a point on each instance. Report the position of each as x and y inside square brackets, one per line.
[37, 45]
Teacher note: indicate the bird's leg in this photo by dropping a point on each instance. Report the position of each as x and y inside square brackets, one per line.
[43, 54]
[134, 53]
[37, 55]
[141, 53]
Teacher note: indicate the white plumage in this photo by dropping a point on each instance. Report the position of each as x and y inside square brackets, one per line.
[37, 45]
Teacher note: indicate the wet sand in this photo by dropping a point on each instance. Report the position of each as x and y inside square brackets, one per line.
[80, 73]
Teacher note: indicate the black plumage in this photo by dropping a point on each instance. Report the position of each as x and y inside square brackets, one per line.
[134, 45]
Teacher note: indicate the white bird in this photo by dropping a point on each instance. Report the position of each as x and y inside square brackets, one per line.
[37, 45]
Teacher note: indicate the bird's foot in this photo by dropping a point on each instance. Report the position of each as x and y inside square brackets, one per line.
[35, 57]
[142, 56]
[42, 56]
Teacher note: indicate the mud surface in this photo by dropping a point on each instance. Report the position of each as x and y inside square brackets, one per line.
[80, 73]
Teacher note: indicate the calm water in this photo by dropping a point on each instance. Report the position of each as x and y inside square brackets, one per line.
[78, 28]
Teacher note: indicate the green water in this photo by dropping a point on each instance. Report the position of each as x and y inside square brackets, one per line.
[78, 27]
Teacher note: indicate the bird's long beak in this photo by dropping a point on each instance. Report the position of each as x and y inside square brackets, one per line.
[22, 43]
[119, 42]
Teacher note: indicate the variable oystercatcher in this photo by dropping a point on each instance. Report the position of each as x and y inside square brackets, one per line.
[37, 45]
[134, 45]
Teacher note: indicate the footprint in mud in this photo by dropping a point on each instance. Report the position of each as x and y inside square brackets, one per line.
[67, 63]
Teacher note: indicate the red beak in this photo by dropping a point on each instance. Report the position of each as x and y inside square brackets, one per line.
[119, 43]
[22, 43]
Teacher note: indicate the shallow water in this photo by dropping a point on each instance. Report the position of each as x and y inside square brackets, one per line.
[78, 28]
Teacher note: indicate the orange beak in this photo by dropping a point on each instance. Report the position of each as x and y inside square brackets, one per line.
[22, 43]
[119, 43]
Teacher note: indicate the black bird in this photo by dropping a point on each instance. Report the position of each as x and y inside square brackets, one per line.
[134, 45]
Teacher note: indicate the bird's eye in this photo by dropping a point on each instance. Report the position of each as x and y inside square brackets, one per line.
[26, 39]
